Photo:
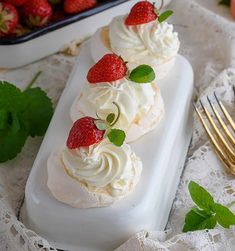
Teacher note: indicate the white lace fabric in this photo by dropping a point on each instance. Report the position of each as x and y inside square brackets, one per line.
[207, 34]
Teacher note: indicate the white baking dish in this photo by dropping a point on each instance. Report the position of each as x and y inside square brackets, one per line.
[163, 154]
[16, 52]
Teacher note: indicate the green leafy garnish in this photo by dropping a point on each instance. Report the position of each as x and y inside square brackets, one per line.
[163, 16]
[225, 2]
[116, 136]
[200, 196]
[39, 111]
[110, 118]
[22, 114]
[208, 213]
[142, 74]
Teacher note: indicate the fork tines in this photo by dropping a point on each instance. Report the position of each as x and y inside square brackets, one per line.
[221, 133]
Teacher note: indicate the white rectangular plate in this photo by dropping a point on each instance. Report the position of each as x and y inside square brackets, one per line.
[163, 154]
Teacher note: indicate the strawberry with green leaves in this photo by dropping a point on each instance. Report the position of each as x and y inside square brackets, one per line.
[19, 31]
[88, 131]
[76, 6]
[144, 12]
[112, 67]
[36, 13]
[9, 18]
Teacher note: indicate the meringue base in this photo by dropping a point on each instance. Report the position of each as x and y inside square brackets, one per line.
[100, 45]
[75, 193]
[138, 128]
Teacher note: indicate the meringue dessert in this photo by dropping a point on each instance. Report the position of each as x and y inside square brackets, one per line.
[141, 105]
[94, 176]
[150, 42]
[93, 170]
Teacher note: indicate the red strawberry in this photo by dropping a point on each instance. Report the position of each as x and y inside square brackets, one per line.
[9, 18]
[76, 6]
[84, 133]
[36, 13]
[109, 68]
[141, 13]
[19, 31]
[55, 2]
[57, 15]
[16, 2]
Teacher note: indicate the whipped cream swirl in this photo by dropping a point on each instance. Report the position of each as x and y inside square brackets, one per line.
[135, 100]
[104, 166]
[152, 43]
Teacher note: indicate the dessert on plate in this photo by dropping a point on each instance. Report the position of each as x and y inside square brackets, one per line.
[141, 37]
[95, 168]
[139, 99]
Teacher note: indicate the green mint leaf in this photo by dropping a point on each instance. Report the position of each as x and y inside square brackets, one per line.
[142, 74]
[12, 139]
[3, 119]
[11, 98]
[223, 215]
[101, 125]
[164, 16]
[225, 2]
[117, 137]
[110, 118]
[15, 123]
[197, 219]
[200, 196]
[39, 111]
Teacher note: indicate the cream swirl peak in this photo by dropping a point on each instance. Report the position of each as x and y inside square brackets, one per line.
[152, 43]
[103, 166]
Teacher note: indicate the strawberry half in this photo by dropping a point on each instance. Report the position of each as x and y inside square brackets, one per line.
[76, 6]
[16, 2]
[109, 68]
[9, 19]
[36, 13]
[84, 133]
[141, 13]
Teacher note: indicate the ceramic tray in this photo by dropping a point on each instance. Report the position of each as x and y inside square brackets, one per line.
[163, 154]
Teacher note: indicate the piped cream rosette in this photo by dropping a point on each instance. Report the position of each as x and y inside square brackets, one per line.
[94, 176]
[153, 43]
[141, 105]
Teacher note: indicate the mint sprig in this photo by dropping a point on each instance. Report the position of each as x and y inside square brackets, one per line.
[208, 213]
[225, 2]
[142, 74]
[116, 136]
[22, 114]
[163, 16]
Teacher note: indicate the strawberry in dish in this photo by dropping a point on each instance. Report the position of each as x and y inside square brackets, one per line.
[95, 168]
[141, 37]
[9, 19]
[139, 99]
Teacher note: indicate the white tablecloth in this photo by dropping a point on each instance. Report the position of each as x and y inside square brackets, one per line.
[207, 32]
